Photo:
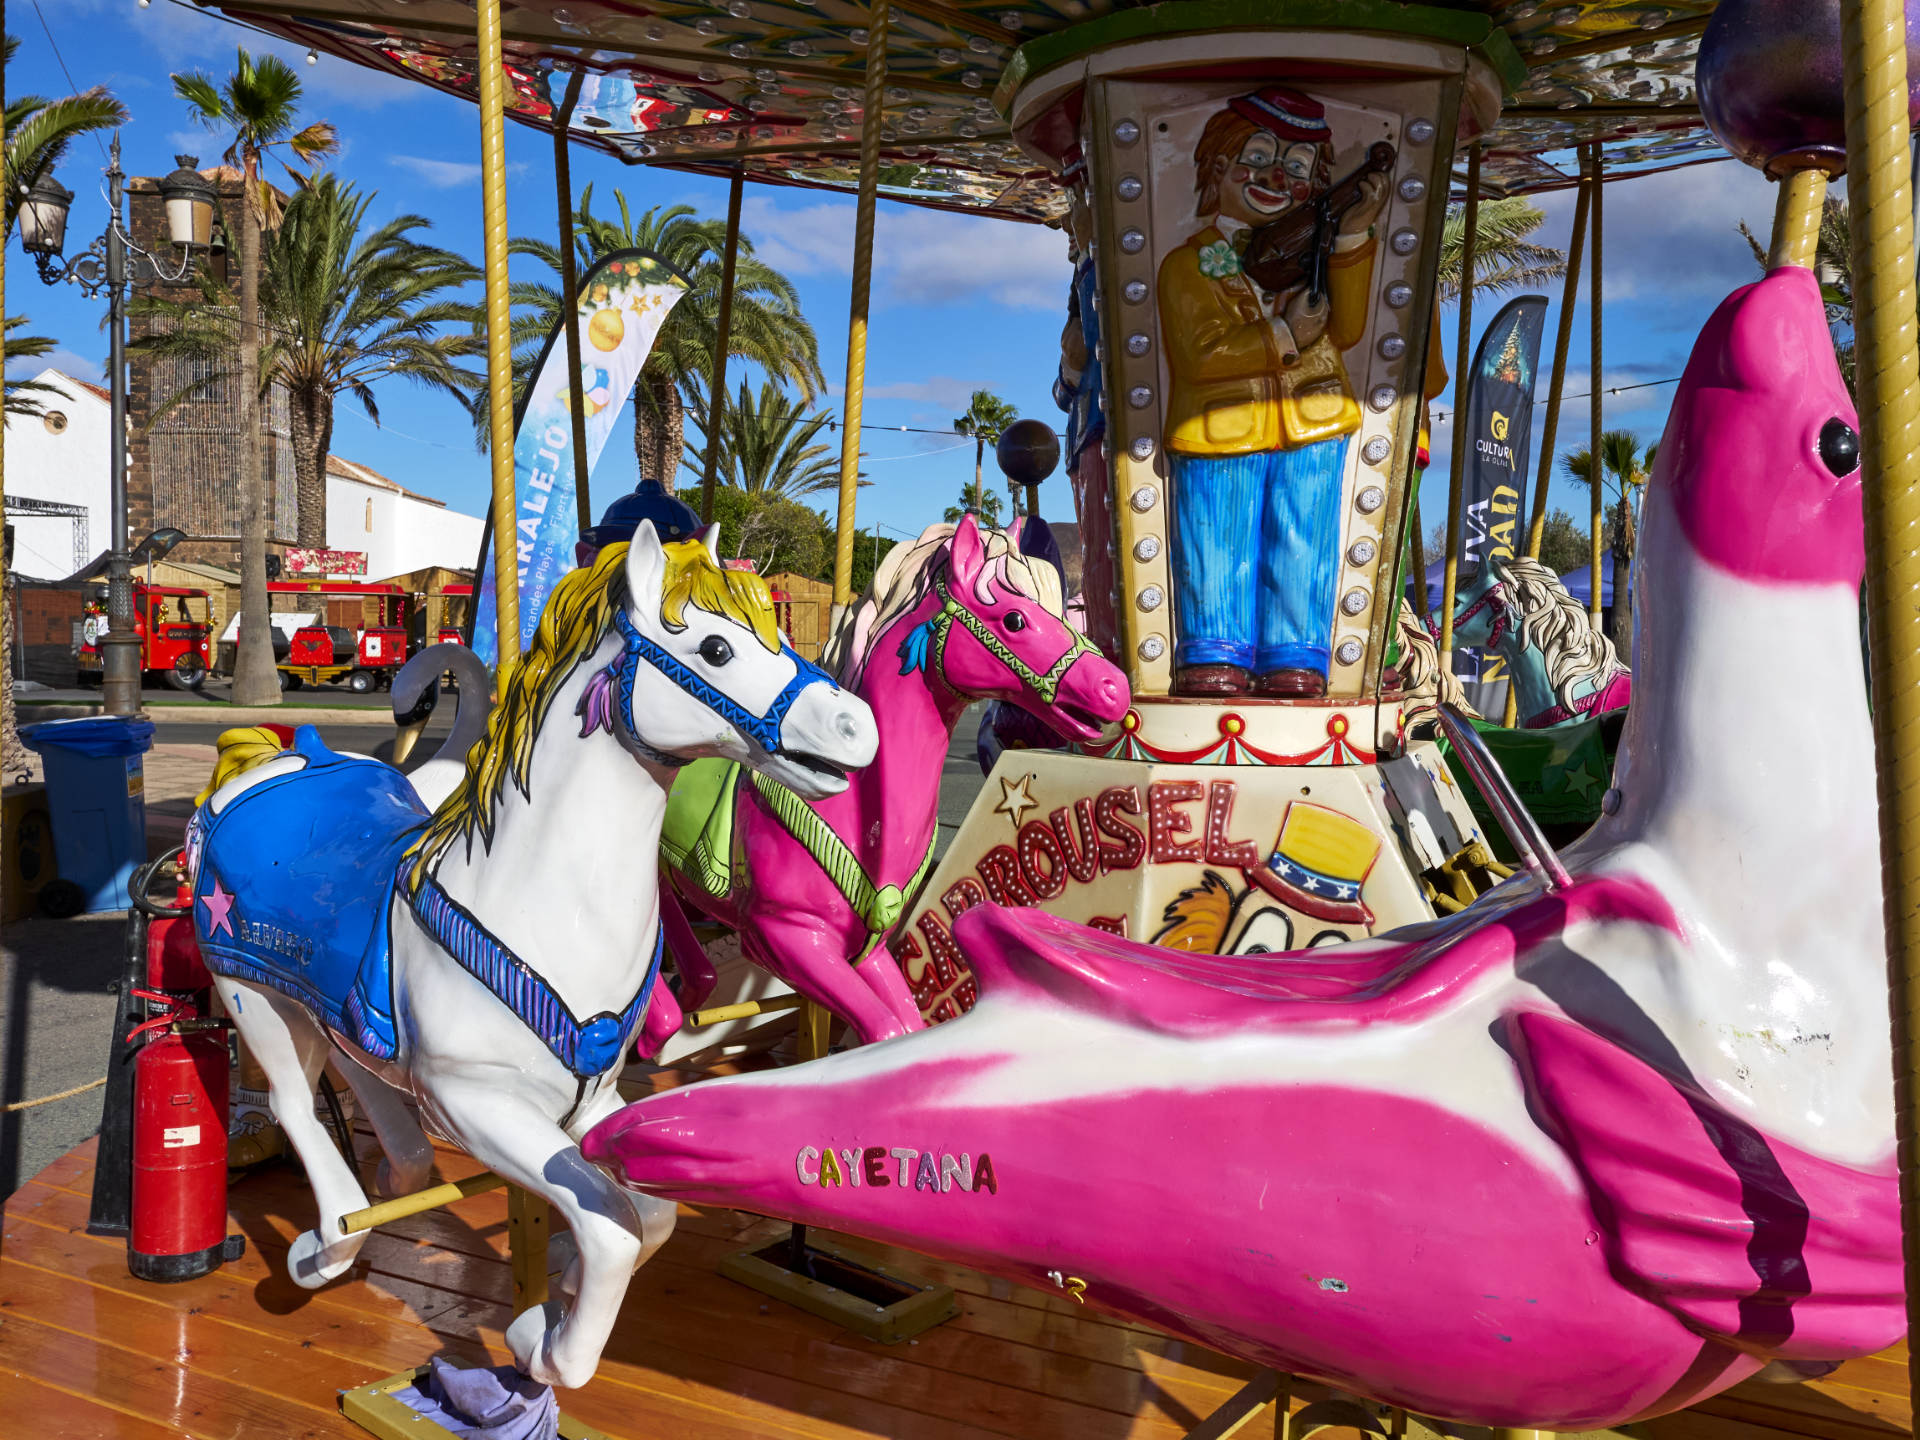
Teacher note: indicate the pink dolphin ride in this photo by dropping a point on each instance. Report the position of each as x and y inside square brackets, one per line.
[1564, 1160]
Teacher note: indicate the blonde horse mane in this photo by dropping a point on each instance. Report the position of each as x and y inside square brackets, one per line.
[575, 621]
[1420, 672]
[903, 580]
[1556, 624]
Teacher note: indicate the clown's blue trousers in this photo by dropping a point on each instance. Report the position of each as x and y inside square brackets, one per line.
[1256, 545]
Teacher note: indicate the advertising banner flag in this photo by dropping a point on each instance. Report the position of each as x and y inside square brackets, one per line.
[624, 299]
[1499, 419]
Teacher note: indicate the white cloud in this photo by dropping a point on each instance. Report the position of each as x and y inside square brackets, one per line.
[923, 257]
[447, 174]
[72, 363]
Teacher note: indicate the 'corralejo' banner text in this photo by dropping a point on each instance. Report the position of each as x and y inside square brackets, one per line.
[624, 300]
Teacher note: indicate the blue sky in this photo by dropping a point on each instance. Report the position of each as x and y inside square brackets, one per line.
[959, 302]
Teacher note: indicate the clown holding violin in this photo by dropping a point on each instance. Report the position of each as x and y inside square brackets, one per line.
[1260, 407]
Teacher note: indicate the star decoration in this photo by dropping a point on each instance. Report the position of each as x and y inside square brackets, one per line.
[1582, 781]
[218, 904]
[1016, 798]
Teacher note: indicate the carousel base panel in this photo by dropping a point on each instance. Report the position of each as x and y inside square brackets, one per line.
[86, 1350]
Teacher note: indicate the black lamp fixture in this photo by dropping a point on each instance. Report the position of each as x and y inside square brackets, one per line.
[189, 198]
[43, 216]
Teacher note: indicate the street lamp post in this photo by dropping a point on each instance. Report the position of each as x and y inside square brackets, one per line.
[108, 264]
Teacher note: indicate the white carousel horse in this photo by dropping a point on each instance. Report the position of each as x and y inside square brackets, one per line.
[493, 960]
[1578, 1155]
[1563, 667]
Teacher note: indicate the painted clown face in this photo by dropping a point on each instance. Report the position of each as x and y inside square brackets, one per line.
[1267, 178]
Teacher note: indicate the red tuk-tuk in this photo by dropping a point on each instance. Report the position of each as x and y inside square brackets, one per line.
[360, 634]
[173, 624]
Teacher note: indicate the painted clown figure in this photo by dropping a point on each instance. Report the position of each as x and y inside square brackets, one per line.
[1260, 408]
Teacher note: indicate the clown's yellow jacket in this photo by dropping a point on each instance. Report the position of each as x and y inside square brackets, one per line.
[1231, 395]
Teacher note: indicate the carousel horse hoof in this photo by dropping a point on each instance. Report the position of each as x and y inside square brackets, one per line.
[312, 1262]
[392, 1182]
[1293, 684]
[1209, 680]
[530, 1342]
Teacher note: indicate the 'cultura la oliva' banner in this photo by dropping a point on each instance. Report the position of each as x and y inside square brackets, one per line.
[624, 300]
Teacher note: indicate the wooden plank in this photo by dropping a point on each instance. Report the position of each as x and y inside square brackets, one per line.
[73, 1417]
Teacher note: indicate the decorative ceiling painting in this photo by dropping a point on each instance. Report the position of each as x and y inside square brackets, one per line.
[777, 85]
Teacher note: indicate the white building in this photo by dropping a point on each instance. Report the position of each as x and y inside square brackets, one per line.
[60, 461]
[399, 530]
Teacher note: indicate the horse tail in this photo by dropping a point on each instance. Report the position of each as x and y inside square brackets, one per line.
[416, 691]
[240, 750]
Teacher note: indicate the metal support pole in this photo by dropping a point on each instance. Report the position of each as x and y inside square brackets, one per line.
[876, 97]
[493, 192]
[1462, 382]
[1563, 342]
[1887, 383]
[722, 344]
[570, 297]
[1796, 219]
[1596, 389]
[120, 647]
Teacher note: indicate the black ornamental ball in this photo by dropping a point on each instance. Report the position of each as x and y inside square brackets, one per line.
[1770, 82]
[1028, 451]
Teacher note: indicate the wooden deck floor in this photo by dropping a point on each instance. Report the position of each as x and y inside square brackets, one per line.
[87, 1351]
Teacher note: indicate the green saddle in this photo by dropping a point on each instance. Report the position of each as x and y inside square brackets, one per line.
[697, 835]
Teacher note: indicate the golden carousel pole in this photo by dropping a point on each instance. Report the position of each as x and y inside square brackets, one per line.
[1887, 384]
[1550, 428]
[1796, 219]
[877, 18]
[1462, 380]
[527, 1218]
[722, 343]
[570, 297]
[1596, 393]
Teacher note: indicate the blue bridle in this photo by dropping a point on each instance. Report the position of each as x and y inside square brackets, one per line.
[763, 728]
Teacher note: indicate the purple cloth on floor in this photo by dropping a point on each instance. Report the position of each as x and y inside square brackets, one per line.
[495, 1404]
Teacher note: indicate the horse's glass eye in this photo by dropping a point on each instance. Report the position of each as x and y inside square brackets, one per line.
[1016, 621]
[1839, 447]
[715, 651]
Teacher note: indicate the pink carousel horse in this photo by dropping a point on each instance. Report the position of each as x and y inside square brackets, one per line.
[813, 886]
[1589, 1151]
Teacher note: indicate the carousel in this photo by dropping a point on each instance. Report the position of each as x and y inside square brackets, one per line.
[1253, 1055]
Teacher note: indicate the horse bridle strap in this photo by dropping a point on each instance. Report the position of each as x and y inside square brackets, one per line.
[1494, 597]
[878, 906]
[763, 728]
[1045, 686]
[588, 1048]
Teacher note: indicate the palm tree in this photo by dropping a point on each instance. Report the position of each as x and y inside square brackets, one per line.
[767, 327]
[257, 105]
[38, 132]
[1503, 257]
[1622, 459]
[342, 311]
[987, 415]
[766, 445]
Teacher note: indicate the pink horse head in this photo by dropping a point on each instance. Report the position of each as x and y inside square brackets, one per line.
[1563, 1160]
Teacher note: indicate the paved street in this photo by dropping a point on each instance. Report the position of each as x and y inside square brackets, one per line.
[56, 1005]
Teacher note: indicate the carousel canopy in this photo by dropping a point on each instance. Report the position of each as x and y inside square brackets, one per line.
[777, 85]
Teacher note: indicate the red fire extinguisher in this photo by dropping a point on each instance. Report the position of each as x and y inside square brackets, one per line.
[179, 1227]
[176, 1225]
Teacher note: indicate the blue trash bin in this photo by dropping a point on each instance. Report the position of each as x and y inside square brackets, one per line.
[96, 791]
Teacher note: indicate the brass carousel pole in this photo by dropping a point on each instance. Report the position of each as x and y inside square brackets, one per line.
[1462, 380]
[722, 343]
[1796, 219]
[1550, 428]
[1596, 393]
[862, 284]
[570, 296]
[1873, 37]
[527, 1220]
[493, 202]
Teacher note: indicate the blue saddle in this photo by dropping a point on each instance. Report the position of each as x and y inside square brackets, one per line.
[295, 884]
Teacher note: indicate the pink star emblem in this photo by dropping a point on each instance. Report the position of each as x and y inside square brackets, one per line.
[218, 904]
